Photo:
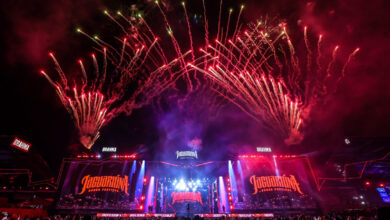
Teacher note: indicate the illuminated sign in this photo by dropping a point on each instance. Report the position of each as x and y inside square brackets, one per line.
[134, 215]
[104, 183]
[181, 197]
[21, 145]
[274, 183]
[180, 154]
[109, 149]
[235, 215]
[263, 149]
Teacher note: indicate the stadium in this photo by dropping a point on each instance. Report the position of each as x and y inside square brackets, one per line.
[195, 109]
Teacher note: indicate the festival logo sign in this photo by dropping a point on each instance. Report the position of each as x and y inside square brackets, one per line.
[186, 154]
[104, 184]
[181, 197]
[274, 183]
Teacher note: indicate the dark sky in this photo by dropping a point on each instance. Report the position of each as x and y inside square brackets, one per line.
[359, 108]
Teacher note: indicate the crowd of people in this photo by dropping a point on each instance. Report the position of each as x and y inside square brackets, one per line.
[71, 201]
[366, 214]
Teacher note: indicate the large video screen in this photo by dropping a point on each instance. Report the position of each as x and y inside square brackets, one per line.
[180, 195]
[272, 183]
[99, 185]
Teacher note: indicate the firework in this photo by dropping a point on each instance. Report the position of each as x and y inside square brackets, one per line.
[261, 72]
[197, 89]
[140, 72]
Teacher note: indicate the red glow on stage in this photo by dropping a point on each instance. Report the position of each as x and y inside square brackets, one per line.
[367, 183]
[85, 156]
[230, 198]
[133, 156]
[229, 189]
[381, 185]
[231, 207]
[145, 180]
[228, 179]
[141, 207]
[142, 198]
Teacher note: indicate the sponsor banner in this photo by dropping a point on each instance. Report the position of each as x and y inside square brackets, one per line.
[265, 215]
[109, 149]
[20, 144]
[163, 215]
[133, 215]
[263, 149]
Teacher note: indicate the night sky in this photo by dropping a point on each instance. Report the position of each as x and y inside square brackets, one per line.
[360, 107]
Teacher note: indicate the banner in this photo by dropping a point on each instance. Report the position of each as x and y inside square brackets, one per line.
[99, 185]
[181, 197]
[273, 183]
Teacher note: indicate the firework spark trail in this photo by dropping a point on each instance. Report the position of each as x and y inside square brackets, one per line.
[176, 46]
[244, 75]
[189, 31]
[228, 25]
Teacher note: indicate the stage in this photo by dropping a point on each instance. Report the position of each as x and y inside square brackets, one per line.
[125, 186]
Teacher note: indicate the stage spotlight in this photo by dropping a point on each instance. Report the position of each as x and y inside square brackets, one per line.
[367, 183]
[145, 180]
[381, 185]
[231, 207]
[181, 185]
[141, 207]
[142, 198]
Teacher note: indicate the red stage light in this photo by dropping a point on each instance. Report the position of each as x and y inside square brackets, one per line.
[228, 179]
[230, 198]
[367, 183]
[145, 180]
[142, 198]
[229, 189]
[231, 206]
[382, 185]
[141, 207]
